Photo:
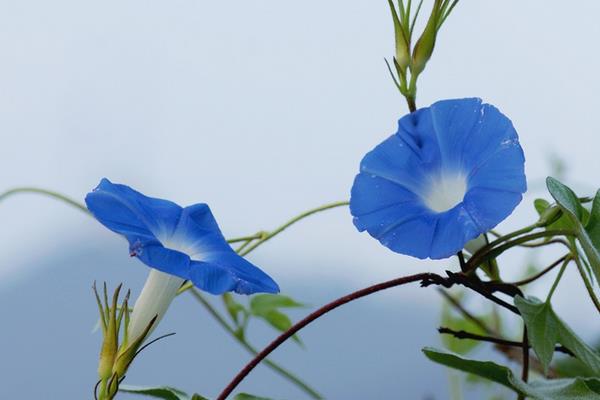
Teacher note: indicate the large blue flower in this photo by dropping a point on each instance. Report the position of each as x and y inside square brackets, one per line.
[185, 242]
[453, 171]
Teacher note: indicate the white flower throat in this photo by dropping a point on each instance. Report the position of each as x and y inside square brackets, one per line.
[445, 191]
[159, 290]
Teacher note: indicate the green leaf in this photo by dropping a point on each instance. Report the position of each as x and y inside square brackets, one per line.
[160, 392]
[541, 205]
[593, 226]
[560, 389]
[196, 396]
[266, 306]
[570, 367]
[571, 206]
[542, 389]
[545, 329]
[278, 320]
[246, 396]
[542, 328]
[233, 307]
[264, 303]
[485, 369]
[564, 197]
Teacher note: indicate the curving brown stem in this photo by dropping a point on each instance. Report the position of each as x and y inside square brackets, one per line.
[429, 277]
[485, 289]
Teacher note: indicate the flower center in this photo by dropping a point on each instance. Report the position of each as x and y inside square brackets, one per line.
[445, 191]
[191, 250]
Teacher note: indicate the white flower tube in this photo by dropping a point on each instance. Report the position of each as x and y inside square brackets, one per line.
[159, 291]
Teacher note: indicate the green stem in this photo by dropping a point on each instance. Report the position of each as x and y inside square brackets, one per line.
[269, 235]
[45, 192]
[586, 281]
[504, 238]
[543, 272]
[257, 235]
[411, 94]
[558, 278]
[490, 251]
[260, 238]
[243, 246]
[251, 349]
[263, 236]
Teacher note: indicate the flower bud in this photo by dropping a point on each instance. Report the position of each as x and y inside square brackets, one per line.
[549, 215]
[424, 46]
[110, 330]
[402, 42]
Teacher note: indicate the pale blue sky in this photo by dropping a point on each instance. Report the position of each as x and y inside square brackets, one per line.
[263, 109]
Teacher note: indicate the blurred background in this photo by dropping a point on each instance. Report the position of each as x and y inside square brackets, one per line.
[262, 109]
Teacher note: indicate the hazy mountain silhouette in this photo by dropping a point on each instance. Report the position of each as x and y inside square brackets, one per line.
[367, 350]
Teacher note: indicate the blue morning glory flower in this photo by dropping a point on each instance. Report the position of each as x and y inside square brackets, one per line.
[181, 242]
[453, 171]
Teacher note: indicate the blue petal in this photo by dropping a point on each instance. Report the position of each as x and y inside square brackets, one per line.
[418, 132]
[395, 160]
[412, 237]
[128, 212]
[488, 207]
[227, 271]
[452, 122]
[452, 139]
[198, 232]
[504, 170]
[492, 132]
[185, 242]
[371, 193]
[454, 228]
[379, 222]
[170, 261]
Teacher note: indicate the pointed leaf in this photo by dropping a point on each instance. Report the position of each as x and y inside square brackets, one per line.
[545, 329]
[233, 307]
[542, 328]
[542, 389]
[264, 303]
[485, 369]
[584, 353]
[565, 197]
[159, 392]
[593, 225]
[246, 396]
[561, 389]
[572, 207]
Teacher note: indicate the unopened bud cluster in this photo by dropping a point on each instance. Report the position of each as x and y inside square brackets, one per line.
[115, 355]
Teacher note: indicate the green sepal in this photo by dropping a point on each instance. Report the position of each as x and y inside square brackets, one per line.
[426, 43]
[128, 352]
[110, 342]
[401, 39]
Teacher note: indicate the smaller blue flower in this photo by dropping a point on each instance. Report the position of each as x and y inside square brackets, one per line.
[453, 171]
[184, 242]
